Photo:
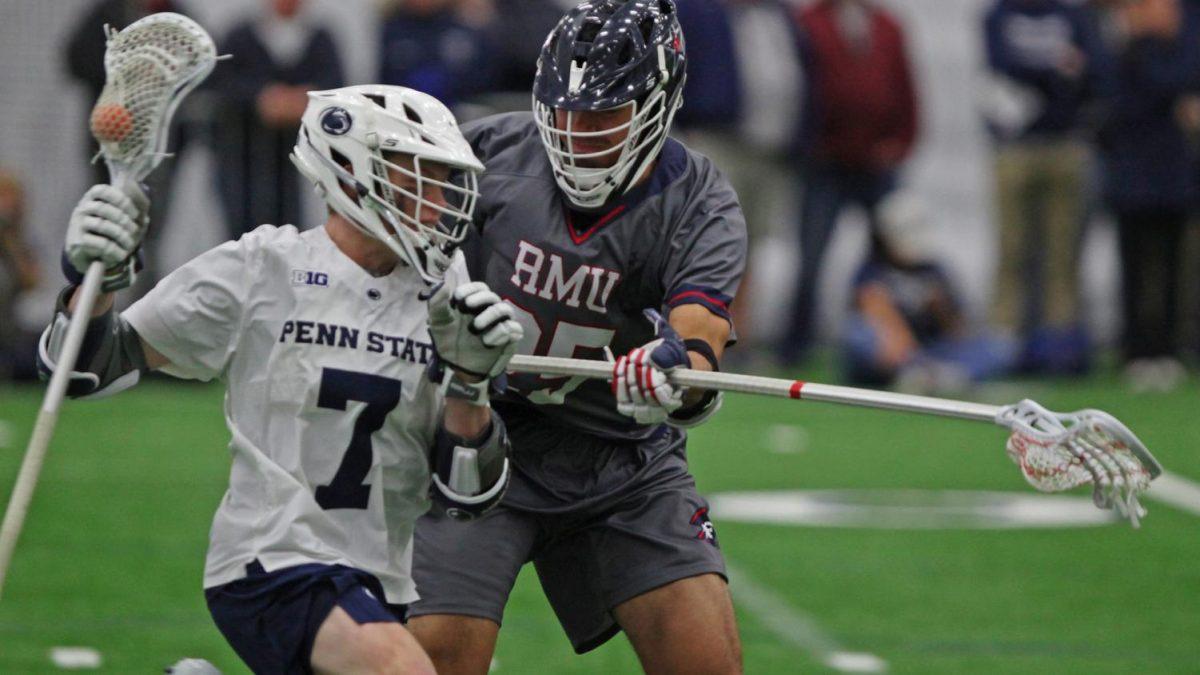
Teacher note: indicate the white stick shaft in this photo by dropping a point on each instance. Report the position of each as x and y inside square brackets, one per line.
[43, 429]
[769, 386]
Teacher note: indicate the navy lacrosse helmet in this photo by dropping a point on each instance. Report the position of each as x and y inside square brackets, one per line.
[605, 54]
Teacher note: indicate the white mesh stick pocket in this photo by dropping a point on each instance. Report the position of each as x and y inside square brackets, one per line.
[149, 67]
[1059, 451]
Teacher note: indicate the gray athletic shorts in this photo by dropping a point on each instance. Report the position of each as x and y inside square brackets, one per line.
[588, 561]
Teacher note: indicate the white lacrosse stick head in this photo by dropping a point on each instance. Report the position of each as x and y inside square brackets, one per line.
[149, 67]
[1059, 451]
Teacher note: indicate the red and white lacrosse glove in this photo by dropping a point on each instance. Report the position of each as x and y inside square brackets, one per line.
[640, 380]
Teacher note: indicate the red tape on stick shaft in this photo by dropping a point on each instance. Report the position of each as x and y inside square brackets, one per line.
[794, 392]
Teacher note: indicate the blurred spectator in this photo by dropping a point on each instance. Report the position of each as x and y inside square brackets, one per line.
[1047, 62]
[85, 61]
[433, 46]
[864, 126]
[906, 326]
[18, 273]
[1189, 116]
[744, 115]
[277, 58]
[515, 56]
[1150, 178]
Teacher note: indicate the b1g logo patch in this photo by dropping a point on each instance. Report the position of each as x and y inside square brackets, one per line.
[706, 530]
[336, 121]
[309, 278]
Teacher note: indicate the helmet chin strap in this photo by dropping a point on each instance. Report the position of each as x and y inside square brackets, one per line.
[407, 251]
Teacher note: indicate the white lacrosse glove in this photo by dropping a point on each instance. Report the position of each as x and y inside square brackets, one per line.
[640, 380]
[473, 330]
[107, 225]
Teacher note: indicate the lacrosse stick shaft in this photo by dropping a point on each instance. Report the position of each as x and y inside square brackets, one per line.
[149, 67]
[769, 386]
[43, 429]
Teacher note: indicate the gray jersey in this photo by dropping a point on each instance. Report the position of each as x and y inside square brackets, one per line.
[580, 283]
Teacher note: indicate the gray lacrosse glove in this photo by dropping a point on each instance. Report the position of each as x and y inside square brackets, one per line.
[107, 225]
[473, 330]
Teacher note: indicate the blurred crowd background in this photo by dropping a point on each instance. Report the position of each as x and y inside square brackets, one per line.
[938, 192]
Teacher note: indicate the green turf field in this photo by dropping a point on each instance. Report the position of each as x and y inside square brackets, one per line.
[112, 554]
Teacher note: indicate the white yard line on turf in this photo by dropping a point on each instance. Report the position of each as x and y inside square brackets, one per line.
[1173, 489]
[797, 628]
[76, 658]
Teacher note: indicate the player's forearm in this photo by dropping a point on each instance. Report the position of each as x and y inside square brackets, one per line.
[695, 323]
[692, 397]
[152, 358]
[470, 473]
[466, 420]
[110, 358]
[103, 304]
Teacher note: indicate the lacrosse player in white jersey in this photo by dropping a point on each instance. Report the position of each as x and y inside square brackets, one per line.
[341, 411]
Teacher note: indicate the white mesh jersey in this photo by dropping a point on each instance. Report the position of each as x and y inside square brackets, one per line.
[330, 410]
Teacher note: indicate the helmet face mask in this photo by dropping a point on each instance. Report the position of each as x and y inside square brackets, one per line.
[426, 204]
[392, 162]
[603, 56]
[592, 139]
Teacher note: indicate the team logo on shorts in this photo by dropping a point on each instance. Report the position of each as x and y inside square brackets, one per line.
[336, 121]
[707, 531]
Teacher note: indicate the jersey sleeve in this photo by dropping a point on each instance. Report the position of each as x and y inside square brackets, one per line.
[707, 254]
[193, 316]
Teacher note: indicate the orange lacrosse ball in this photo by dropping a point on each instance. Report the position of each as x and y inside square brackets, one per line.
[111, 122]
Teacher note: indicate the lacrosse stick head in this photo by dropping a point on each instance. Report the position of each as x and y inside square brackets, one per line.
[149, 67]
[1060, 451]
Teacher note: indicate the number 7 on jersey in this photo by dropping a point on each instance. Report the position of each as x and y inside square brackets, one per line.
[381, 394]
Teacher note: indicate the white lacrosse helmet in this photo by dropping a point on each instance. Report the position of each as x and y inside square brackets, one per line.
[350, 137]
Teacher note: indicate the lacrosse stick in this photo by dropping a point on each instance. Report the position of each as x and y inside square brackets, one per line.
[149, 68]
[1055, 451]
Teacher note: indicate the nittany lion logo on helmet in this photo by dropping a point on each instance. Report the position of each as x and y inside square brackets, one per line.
[336, 121]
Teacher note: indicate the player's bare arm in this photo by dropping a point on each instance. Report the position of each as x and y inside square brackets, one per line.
[694, 322]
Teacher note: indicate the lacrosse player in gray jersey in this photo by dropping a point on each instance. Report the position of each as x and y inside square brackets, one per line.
[594, 226]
